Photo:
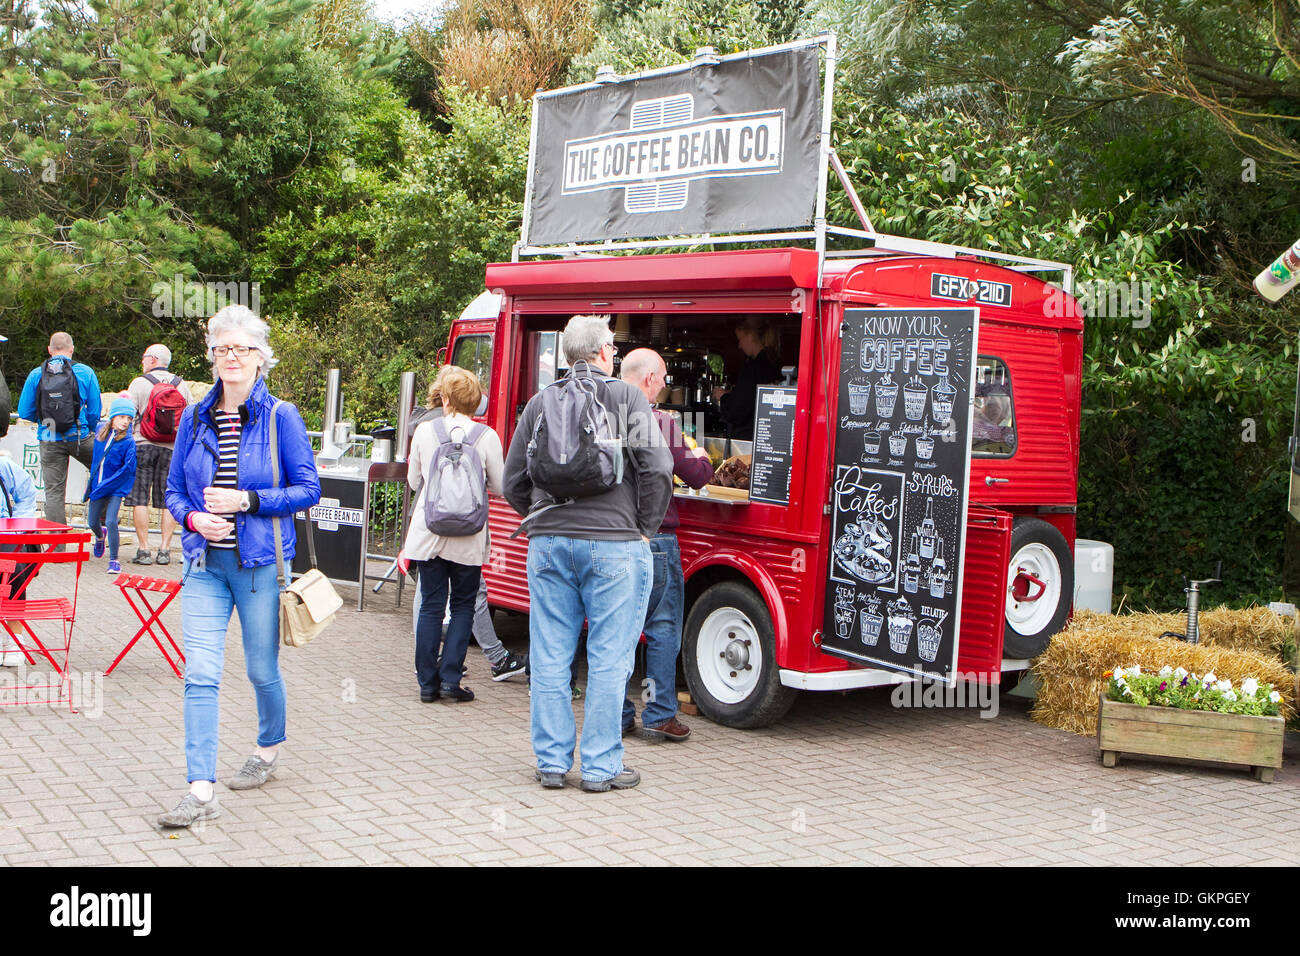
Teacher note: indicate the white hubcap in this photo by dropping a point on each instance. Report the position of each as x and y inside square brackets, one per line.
[729, 655]
[1034, 565]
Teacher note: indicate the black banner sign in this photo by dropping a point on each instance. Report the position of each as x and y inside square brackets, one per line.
[728, 147]
[769, 469]
[898, 505]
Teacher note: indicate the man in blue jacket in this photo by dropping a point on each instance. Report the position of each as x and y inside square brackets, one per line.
[62, 397]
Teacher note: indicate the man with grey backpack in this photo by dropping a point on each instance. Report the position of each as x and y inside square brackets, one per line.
[589, 469]
[453, 462]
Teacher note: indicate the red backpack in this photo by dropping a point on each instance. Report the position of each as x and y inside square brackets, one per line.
[163, 411]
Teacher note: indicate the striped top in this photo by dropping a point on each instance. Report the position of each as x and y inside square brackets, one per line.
[228, 429]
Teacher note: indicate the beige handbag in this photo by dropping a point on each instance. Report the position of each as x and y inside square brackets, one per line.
[308, 605]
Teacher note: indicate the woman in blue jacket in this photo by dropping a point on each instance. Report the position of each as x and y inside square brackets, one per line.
[112, 476]
[221, 491]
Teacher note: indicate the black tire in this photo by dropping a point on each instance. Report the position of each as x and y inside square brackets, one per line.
[764, 699]
[1045, 545]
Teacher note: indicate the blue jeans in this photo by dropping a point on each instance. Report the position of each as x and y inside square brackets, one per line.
[441, 671]
[208, 595]
[102, 513]
[663, 635]
[608, 583]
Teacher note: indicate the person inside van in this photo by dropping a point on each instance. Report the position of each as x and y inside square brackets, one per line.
[993, 431]
[758, 339]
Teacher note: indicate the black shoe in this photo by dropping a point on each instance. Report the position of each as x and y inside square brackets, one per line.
[458, 695]
[506, 668]
[428, 697]
[629, 728]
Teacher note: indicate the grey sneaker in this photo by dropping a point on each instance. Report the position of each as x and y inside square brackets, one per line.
[190, 811]
[551, 780]
[253, 773]
[626, 780]
[164, 557]
[142, 556]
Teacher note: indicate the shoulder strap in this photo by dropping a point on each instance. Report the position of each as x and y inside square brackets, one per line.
[440, 429]
[281, 574]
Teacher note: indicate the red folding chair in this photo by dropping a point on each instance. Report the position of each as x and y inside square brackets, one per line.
[18, 611]
[164, 590]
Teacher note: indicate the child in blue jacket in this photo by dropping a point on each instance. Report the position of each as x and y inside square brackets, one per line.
[112, 477]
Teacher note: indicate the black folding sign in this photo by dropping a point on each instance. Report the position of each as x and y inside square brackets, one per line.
[724, 147]
[899, 499]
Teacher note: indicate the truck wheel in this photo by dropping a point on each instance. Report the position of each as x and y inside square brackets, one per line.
[1040, 587]
[729, 657]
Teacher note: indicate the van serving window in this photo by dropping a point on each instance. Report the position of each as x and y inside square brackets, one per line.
[474, 352]
[993, 431]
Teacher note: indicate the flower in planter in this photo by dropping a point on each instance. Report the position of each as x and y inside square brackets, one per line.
[1210, 693]
[1181, 674]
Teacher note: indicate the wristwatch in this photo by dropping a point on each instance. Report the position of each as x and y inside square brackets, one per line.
[244, 502]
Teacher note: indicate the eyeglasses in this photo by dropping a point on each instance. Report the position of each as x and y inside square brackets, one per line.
[241, 351]
[613, 349]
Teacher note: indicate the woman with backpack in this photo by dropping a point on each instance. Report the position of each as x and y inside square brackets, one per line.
[452, 463]
[232, 504]
[112, 476]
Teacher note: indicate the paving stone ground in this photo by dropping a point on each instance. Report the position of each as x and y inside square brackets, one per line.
[371, 775]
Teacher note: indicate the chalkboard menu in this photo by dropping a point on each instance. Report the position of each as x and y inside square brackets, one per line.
[899, 499]
[769, 470]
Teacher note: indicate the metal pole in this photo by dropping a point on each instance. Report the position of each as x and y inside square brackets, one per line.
[333, 407]
[405, 405]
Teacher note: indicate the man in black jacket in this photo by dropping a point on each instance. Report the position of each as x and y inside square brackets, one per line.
[589, 557]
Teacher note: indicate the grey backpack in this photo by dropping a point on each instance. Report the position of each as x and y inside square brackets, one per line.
[455, 503]
[574, 451]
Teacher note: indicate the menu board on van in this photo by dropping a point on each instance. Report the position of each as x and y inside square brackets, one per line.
[769, 470]
[899, 499]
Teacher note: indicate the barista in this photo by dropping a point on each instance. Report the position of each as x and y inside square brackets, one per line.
[757, 338]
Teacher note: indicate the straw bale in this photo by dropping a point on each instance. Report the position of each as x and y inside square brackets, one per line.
[1070, 671]
[1249, 629]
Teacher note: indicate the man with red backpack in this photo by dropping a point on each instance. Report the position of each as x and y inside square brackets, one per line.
[160, 399]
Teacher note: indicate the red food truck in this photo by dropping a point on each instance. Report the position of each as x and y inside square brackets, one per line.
[760, 569]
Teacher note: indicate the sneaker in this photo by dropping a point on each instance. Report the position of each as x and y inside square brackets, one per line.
[142, 556]
[189, 811]
[99, 544]
[12, 659]
[626, 780]
[505, 669]
[164, 557]
[253, 773]
[550, 779]
[458, 695]
[671, 729]
[575, 692]
[114, 567]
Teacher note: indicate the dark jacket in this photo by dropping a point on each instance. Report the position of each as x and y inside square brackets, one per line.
[630, 509]
[687, 466]
[738, 405]
[194, 465]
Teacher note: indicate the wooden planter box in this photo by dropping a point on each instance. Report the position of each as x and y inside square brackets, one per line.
[1255, 742]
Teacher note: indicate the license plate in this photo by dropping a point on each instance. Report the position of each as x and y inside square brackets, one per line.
[966, 289]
